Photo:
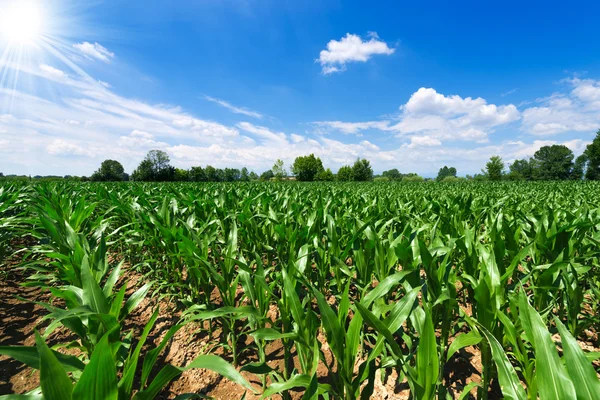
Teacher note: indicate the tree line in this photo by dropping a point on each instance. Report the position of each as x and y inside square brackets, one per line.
[550, 163]
[555, 162]
[156, 167]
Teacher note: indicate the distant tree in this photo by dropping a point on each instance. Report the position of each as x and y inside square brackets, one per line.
[578, 170]
[305, 168]
[392, 174]
[110, 170]
[144, 172]
[181, 175]
[553, 162]
[362, 170]
[279, 170]
[592, 154]
[197, 174]
[453, 179]
[412, 177]
[231, 174]
[155, 167]
[244, 175]
[267, 175]
[345, 174]
[1, 175]
[521, 170]
[445, 172]
[220, 175]
[325, 176]
[494, 168]
[253, 176]
[211, 173]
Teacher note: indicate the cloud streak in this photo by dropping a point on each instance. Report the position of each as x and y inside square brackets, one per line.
[234, 109]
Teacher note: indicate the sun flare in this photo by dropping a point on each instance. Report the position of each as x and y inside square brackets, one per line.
[21, 22]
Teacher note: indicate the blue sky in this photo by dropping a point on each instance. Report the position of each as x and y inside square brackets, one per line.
[412, 86]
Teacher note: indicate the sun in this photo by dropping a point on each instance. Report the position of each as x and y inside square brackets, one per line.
[21, 21]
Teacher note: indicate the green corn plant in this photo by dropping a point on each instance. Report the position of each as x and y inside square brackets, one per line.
[66, 377]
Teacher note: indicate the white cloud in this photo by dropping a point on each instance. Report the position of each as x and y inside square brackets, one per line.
[435, 115]
[52, 72]
[39, 129]
[60, 147]
[141, 134]
[297, 138]
[94, 51]
[141, 141]
[205, 128]
[264, 133]
[351, 48]
[234, 109]
[423, 141]
[352, 128]
[509, 92]
[576, 111]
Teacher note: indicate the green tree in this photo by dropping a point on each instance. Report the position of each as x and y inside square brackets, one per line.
[412, 177]
[592, 154]
[244, 175]
[345, 174]
[144, 172]
[197, 174]
[267, 175]
[305, 168]
[362, 170]
[110, 170]
[445, 172]
[181, 175]
[578, 170]
[231, 174]
[220, 175]
[253, 176]
[211, 174]
[495, 168]
[279, 170]
[325, 176]
[553, 162]
[521, 170]
[155, 167]
[392, 174]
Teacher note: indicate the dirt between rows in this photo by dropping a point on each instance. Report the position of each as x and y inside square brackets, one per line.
[21, 317]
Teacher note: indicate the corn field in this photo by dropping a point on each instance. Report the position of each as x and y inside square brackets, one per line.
[356, 283]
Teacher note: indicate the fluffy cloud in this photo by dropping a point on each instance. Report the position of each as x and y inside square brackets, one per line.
[141, 141]
[234, 109]
[576, 111]
[351, 48]
[423, 141]
[435, 116]
[94, 51]
[62, 148]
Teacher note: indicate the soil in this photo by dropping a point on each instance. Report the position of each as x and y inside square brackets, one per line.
[20, 318]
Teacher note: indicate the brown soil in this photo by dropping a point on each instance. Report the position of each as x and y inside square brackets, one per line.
[21, 318]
